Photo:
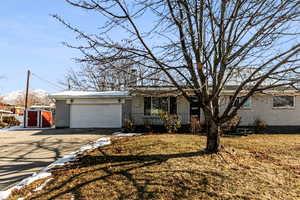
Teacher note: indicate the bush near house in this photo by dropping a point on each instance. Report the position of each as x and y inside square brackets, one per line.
[195, 125]
[11, 121]
[171, 122]
[3, 124]
[231, 125]
[259, 125]
[129, 125]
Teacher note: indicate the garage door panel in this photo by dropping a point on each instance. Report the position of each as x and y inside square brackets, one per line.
[96, 116]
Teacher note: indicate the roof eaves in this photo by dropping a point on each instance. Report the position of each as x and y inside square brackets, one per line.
[88, 96]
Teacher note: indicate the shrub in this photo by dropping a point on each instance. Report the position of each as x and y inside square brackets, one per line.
[128, 125]
[3, 124]
[195, 125]
[11, 121]
[231, 125]
[171, 122]
[259, 125]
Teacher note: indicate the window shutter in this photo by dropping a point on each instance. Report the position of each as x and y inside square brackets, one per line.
[173, 105]
[147, 105]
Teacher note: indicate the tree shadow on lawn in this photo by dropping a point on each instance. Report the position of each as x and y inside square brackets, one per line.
[10, 173]
[126, 167]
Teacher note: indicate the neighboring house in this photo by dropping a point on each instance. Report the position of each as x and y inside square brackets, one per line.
[4, 113]
[7, 107]
[15, 109]
[142, 106]
[18, 110]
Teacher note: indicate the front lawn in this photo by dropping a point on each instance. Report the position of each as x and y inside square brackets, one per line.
[172, 166]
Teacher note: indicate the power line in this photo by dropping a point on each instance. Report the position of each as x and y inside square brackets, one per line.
[49, 82]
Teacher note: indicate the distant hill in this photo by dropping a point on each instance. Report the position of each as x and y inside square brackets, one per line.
[35, 96]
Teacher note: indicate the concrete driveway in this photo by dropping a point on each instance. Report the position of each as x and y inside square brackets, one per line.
[25, 152]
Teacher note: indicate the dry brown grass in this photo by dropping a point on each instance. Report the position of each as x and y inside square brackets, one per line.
[174, 167]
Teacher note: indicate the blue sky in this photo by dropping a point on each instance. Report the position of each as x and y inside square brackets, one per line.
[31, 39]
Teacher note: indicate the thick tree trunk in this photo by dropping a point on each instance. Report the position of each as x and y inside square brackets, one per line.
[213, 137]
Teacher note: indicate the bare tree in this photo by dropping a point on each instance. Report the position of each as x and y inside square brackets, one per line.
[201, 45]
[33, 98]
[100, 76]
[117, 72]
[1, 99]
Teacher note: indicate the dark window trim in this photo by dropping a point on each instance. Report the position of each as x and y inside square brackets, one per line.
[243, 106]
[283, 107]
[147, 109]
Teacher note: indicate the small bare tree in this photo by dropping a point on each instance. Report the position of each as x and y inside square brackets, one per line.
[33, 98]
[201, 45]
[100, 76]
[1, 99]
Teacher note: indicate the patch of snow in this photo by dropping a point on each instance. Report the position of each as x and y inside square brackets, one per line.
[21, 128]
[20, 118]
[43, 185]
[36, 176]
[62, 161]
[126, 134]
[72, 156]
[100, 142]
[13, 128]
[73, 94]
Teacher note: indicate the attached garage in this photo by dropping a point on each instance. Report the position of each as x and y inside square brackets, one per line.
[90, 109]
[96, 116]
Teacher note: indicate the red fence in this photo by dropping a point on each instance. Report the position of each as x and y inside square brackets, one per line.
[39, 119]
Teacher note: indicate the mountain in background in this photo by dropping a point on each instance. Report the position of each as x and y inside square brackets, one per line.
[34, 97]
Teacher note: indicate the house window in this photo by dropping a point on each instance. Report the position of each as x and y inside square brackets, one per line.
[156, 105]
[159, 104]
[283, 102]
[247, 104]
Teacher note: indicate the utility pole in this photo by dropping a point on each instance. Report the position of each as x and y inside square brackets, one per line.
[69, 84]
[26, 97]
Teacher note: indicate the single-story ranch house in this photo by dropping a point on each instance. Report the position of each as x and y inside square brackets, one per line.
[110, 109]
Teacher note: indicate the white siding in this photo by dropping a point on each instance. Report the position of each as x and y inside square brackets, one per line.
[62, 114]
[262, 108]
[183, 109]
[138, 110]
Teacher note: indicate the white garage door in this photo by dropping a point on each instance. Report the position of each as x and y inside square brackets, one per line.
[96, 116]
